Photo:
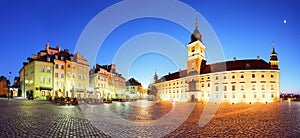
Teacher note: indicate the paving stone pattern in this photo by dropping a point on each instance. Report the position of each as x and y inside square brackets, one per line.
[24, 118]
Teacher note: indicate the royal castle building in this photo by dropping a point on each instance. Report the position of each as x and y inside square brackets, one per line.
[249, 80]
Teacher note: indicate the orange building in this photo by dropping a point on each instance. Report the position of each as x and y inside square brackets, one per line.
[3, 86]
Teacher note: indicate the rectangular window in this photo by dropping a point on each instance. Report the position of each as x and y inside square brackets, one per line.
[272, 87]
[62, 75]
[56, 66]
[84, 77]
[263, 95]
[43, 69]
[74, 75]
[62, 84]
[225, 88]
[62, 67]
[242, 76]
[56, 83]
[242, 87]
[272, 95]
[79, 76]
[262, 87]
[253, 75]
[254, 95]
[48, 69]
[233, 87]
[217, 88]
[42, 79]
[48, 80]
[43, 93]
[69, 74]
[253, 87]
[262, 75]
[272, 75]
[244, 96]
[56, 74]
[208, 84]
[69, 66]
[233, 96]
[225, 96]
[217, 77]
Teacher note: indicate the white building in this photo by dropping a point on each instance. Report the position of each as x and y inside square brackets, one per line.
[250, 80]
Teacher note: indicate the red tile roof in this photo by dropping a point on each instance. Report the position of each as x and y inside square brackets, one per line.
[251, 64]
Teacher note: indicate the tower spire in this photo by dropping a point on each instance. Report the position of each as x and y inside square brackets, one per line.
[196, 22]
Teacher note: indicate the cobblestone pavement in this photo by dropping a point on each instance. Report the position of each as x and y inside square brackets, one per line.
[23, 118]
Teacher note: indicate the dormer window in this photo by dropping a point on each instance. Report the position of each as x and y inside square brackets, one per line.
[48, 59]
[56, 56]
[62, 58]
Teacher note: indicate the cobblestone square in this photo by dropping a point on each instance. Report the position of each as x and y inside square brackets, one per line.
[23, 118]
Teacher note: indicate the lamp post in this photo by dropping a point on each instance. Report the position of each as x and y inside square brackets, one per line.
[8, 84]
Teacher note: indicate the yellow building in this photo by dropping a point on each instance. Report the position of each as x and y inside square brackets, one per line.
[53, 72]
[249, 80]
[106, 82]
[36, 77]
[134, 89]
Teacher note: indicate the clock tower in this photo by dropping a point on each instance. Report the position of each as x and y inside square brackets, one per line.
[196, 51]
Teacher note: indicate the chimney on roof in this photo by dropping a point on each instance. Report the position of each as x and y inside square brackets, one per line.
[257, 58]
[234, 58]
[58, 48]
[34, 56]
[66, 50]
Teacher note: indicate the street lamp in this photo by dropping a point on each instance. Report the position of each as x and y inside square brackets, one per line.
[8, 84]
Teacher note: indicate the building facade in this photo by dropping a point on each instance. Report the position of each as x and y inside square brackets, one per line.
[249, 80]
[106, 82]
[52, 72]
[3, 86]
[134, 89]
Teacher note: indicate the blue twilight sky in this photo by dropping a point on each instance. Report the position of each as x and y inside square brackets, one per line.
[245, 28]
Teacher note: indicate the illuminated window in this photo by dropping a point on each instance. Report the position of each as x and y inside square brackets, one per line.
[208, 84]
[225, 88]
[233, 96]
[217, 88]
[244, 96]
[254, 95]
[233, 87]
[263, 95]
